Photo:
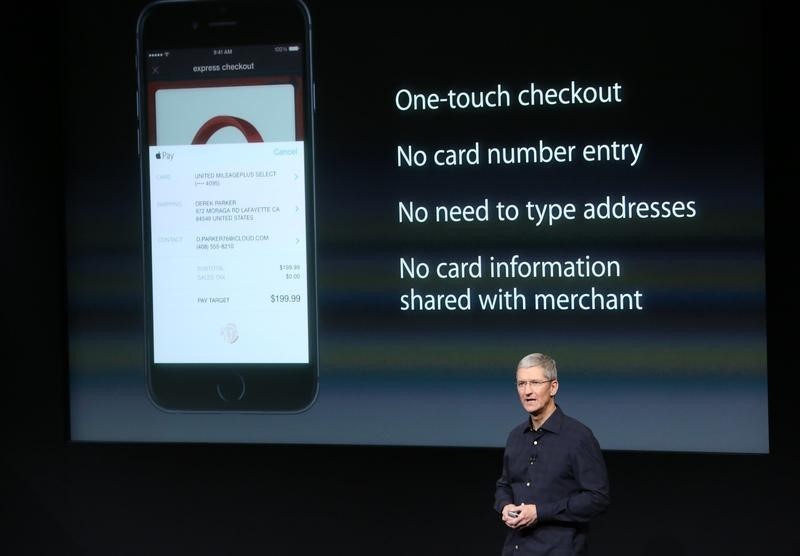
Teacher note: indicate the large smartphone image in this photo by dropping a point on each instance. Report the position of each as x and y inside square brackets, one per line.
[226, 149]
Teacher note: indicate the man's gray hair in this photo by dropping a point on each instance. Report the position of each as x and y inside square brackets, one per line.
[540, 360]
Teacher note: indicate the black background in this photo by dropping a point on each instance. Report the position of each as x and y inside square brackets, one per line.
[62, 498]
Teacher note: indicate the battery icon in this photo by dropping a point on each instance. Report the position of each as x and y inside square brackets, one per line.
[294, 48]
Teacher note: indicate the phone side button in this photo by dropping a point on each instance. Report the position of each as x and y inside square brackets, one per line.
[232, 388]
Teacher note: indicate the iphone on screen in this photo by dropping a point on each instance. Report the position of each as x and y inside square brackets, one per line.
[226, 149]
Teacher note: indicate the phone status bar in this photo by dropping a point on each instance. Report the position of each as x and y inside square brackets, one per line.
[227, 51]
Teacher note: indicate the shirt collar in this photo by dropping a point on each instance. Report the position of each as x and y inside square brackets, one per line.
[553, 423]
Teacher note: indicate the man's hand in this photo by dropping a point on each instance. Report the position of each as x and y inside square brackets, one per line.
[520, 516]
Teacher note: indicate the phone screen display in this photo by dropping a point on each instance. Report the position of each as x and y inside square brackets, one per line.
[227, 205]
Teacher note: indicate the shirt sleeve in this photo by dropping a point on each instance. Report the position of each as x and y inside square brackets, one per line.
[591, 496]
[503, 494]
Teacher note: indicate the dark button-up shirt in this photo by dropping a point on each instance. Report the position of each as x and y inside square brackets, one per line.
[561, 469]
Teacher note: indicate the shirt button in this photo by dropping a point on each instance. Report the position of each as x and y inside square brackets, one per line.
[516, 547]
[528, 484]
[535, 442]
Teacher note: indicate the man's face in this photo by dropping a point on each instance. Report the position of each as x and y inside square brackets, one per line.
[536, 392]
